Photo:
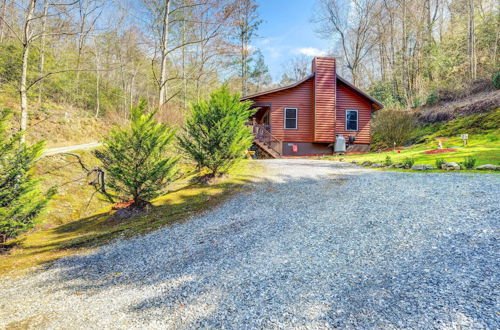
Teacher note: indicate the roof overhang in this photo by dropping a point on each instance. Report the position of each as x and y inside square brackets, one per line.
[376, 105]
[248, 97]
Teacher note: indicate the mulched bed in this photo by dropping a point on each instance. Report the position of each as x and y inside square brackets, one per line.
[439, 151]
[122, 205]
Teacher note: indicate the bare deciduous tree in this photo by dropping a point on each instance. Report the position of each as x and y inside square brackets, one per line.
[351, 24]
[295, 69]
[3, 12]
[89, 12]
[413, 46]
[41, 59]
[246, 23]
[471, 40]
[168, 16]
[28, 35]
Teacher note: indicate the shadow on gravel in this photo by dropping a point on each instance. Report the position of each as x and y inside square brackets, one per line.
[315, 251]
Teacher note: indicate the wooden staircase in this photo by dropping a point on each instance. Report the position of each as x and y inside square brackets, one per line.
[266, 141]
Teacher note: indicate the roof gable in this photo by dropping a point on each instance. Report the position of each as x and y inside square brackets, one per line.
[359, 91]
[339, 78]
[279, 89]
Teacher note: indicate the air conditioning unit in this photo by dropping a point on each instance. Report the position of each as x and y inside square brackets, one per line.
[339, 144]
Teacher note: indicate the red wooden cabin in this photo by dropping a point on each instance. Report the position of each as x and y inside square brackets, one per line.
[303, 119]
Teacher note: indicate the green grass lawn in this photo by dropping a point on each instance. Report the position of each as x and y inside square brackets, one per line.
[485, 148]
[67, 228]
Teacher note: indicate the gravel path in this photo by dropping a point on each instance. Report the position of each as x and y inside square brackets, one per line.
[60, 150]
[316, 244]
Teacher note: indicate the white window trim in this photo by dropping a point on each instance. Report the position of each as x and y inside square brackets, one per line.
[296, 117]
[357, 120]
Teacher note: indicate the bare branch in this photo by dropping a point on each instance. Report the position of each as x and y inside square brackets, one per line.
[57, 72]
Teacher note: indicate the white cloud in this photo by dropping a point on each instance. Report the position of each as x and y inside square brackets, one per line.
[311, 51]
[266, 41]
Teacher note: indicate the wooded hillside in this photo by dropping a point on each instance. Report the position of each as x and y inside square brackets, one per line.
[86, 62]
[102, 57]
[405, 51]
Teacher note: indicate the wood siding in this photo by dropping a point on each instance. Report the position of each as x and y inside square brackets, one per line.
[348, 99]
[300, 97]
[324, 98]
[321, 100]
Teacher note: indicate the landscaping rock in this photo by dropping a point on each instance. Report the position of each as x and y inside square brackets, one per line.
[354, 162]
[488, 167]
[366, 163]
[423, 167]
[450, 166]
[397, 165]
[378, 165]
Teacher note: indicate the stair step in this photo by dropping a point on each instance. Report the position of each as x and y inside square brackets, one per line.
[267, 149]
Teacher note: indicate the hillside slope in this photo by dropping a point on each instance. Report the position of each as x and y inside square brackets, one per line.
[58, 124]
[450, 108]
[483, 144]
[474, 110]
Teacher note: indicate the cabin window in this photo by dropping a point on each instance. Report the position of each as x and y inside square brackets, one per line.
[291, 118]
[351, 120]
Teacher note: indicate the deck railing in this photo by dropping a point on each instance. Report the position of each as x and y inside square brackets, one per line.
[262, 134]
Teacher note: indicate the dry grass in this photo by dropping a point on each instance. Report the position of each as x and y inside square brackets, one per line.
[474, 104]
[58, 124]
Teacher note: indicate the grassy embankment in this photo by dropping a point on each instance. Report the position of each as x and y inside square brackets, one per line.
[58, 124]
[483, 144]
[72, 223]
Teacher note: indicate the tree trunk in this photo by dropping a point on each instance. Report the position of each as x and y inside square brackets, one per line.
[244, 59]
[164, 53]
[472, 41]
[81, 40]
[243, 74]
[201, 53]
[41, 60]
[97, 82]
[395, 85]
[124, 88]
[97, 95]
[131, 88]
[495, 48]
[404, 54]
[184, 77]
[23, 91]
[354, 73]
[244, 52]
[2, 24]
[428, 22]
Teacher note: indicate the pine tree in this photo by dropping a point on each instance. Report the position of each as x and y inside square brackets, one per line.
[21, 197]
[138, 159]
[259, 75]
[215, 135]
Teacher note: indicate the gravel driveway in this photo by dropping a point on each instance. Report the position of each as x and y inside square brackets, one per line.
[316, 244]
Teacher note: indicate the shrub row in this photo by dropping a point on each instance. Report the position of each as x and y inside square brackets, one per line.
[137, 160]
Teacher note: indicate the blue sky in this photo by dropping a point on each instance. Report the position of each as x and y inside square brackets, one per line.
[286, 31]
